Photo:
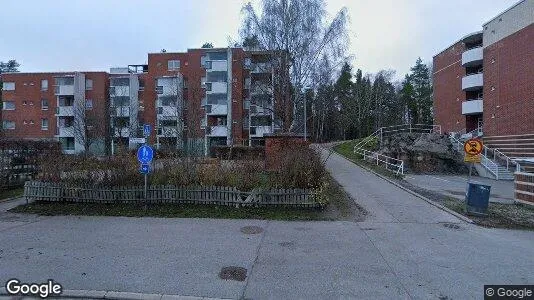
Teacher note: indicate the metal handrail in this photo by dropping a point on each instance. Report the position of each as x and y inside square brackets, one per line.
[485, 161]
[381, 158]
[502, 156]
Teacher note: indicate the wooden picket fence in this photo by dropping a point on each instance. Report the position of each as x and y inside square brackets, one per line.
[229, 196]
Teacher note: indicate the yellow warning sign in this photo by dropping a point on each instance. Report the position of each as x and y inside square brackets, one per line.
[472, 158]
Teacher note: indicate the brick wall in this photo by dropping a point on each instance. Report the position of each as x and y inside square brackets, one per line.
[524, 187]
[448, 94]
[509, 85]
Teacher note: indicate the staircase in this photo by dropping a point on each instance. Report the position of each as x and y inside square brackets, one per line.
[518, 148]
[493, 163]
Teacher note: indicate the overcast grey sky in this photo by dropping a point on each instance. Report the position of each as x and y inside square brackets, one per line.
[65, 35]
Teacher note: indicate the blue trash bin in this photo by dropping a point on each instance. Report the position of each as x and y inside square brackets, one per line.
[477, 199]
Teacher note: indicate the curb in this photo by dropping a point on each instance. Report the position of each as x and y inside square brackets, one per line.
[10, 199]
[450, 211]
[92, 294]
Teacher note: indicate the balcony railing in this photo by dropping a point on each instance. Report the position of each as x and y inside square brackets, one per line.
[472, 57]
[219, 130]
[472, 107]
[472, 82]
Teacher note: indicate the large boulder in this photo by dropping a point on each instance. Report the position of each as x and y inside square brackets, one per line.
[424, 153]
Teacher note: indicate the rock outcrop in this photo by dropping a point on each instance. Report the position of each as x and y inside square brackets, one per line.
[424, 153]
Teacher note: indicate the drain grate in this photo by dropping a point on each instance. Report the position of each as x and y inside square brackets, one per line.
[233, 273]
[251, 229]
[452, 226]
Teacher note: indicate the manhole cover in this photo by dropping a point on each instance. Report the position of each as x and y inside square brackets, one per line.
[251, 229]
[233, 273]
[452, 226]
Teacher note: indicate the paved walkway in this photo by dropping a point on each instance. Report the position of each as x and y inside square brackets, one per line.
[406, 249]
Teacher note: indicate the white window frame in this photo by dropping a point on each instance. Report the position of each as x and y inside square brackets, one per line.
[89, 104]
[43, 121]
[44, 84]
[47, 104]
[8, 128]
[8, 86]
[4, 105]
[173, 64]
[88, 84]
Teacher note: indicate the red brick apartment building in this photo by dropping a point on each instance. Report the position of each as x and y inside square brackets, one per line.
[484, 83]
[193, 100]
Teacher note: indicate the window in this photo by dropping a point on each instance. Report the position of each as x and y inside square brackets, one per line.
[208, 86]
[24, 102]
[8, 86]
[31, 103]
[173, 65]
[44, 124]
[88, 104]
[141, 85]
[44, 85]
[31, 122]
[44, 104]
[88, 84]
[159, 89]
[8, 105]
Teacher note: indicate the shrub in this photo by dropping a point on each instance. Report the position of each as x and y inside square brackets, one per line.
[300, 167]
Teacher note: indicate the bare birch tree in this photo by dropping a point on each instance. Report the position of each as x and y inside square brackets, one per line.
[299, 35]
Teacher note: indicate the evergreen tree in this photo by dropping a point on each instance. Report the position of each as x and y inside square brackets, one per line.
[422, 91]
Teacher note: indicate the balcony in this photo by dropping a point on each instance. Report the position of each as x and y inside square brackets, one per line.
[259, 131]
[261, 89]
[219, 130]
[472, 107]
[64, 90]
[472, 82]
[66, 131]
[217, 65]
[216, 109]
[260, 109]
[472, 57]
[122, 132]
[168, 131]
[168, 111]
[62, 111]
[216, 87]
[261, 68]
[121, 111]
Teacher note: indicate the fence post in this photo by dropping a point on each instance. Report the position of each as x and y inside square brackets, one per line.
[410, 127]
[377, 159]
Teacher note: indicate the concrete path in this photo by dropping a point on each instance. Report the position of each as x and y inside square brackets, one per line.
[406, 249]
[502, 191]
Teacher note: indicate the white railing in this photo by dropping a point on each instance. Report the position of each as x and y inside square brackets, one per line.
[497, 154]
[501, 156]
[487, 163]
[412, 128]
[379, 133]
[392, 164]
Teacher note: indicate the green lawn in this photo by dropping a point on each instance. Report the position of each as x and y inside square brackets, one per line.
[346, 149]
[6, 194]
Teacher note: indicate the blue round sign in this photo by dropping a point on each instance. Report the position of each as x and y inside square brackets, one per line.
[145, 154]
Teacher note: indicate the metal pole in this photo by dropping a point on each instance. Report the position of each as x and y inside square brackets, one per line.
[145, 192]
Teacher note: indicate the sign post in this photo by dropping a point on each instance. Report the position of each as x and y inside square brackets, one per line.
[472, 149]
[145, 154]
